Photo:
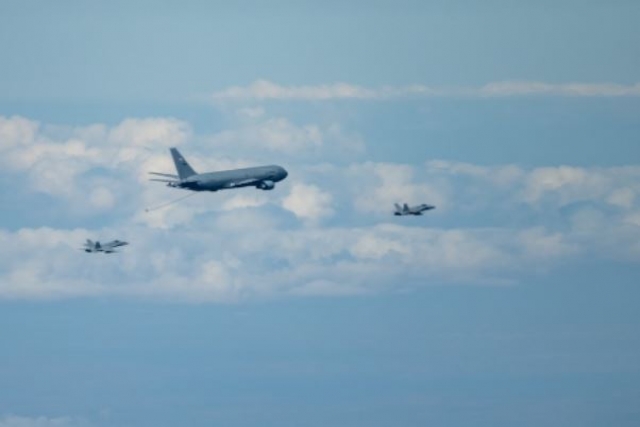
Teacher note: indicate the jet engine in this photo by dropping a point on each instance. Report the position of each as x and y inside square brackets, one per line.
[266, 185]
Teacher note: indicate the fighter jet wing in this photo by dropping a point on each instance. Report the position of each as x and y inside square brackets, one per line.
[112, 245]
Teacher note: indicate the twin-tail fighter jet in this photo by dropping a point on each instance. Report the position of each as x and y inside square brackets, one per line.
[261, 177]
[411, 210]
[107, 248]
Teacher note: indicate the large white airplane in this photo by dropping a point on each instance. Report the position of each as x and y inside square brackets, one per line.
[411, 210]
[107, 248]
[262, 177]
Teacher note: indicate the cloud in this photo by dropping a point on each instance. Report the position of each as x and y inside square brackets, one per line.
[622, 197]
[102, 198]
[276, 134]
[502, 176]
[166, 132]
[383, 184]
[17, 131]
[264, 89]
[371, 246]
[261, 90]
[59, 161]
[266, 135]
[326, 230]
[550, 186]
[308, 202]
[539, 243]
[18, 421]
[569, 184]
[244, 201]
[251, 253]
[524, 88]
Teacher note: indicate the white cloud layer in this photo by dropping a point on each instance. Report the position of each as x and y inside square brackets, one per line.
[308, 202]
[267, 90]
[18, 421]
[53, 161]
[326, 230]
[278, 135]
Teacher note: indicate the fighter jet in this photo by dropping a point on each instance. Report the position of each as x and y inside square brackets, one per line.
[411, 210]
[107, 248]
[261, 177]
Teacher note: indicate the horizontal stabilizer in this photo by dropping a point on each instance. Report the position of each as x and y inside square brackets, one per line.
[168, 175]
[163, 180]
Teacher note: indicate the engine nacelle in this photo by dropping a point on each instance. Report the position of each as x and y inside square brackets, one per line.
[266, 185]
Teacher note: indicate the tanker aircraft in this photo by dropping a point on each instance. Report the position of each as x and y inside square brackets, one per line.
[261, 177]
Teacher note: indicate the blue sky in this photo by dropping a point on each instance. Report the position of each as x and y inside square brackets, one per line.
[513, 303]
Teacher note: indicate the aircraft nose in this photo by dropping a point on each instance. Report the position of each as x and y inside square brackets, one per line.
[283, 173]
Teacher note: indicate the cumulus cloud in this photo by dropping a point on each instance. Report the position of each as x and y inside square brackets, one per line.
[633, 219]
[266, 90]
[371, 246]
[308, 202]
[102, 198]
[554, 186]
[265, 135]
[539, 243]
[245, 201]
[622, 197]
[61, 162]
[248, 254]
[383, 184]
[17, 131]
[150, 133]
[502, 176]
[98, 168]
[569, 184]
[326, 230]
[276, 134]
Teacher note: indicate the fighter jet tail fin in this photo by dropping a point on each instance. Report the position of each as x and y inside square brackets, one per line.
[182, 167]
